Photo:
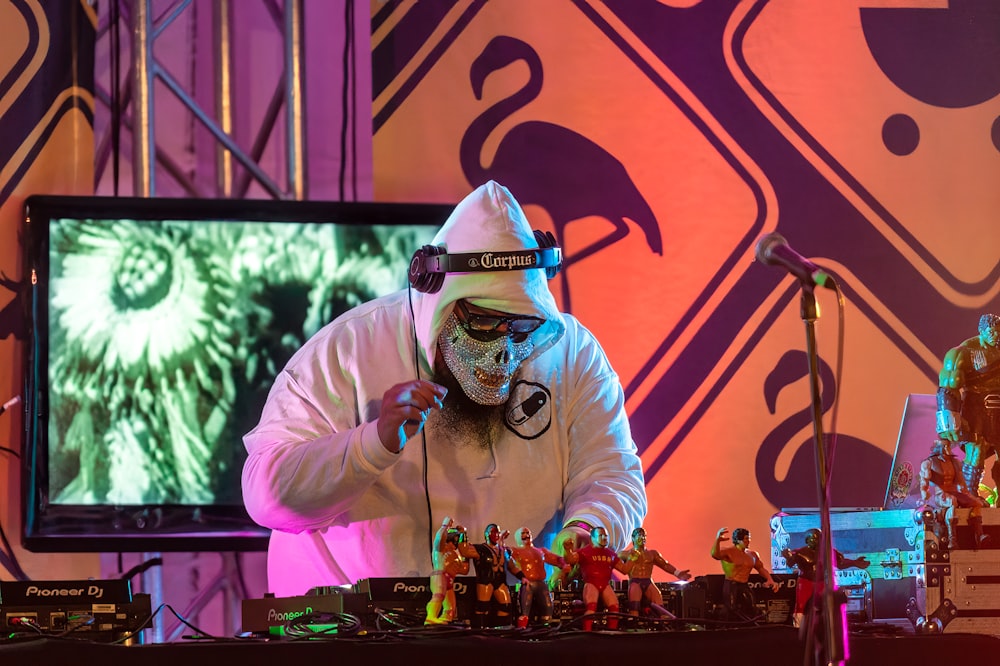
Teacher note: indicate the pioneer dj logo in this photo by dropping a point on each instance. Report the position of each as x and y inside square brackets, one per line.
[788, 583]
[274, 615]
[407, 588]
[90, 591]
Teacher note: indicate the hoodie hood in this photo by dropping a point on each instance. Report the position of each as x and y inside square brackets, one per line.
[488, 220]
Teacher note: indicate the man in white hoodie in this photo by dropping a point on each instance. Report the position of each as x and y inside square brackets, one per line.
[468, 395]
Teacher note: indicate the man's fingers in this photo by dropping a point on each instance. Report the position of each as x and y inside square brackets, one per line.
[430, 391]
[425, 396]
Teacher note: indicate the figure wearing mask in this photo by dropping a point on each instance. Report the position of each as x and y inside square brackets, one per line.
[468, 394]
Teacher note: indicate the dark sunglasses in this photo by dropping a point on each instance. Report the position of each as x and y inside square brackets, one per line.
[485, 327]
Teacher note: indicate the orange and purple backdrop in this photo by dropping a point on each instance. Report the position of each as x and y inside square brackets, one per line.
[46, 146]
[659, 141]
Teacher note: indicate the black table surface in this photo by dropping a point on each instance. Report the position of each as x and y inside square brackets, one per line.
[771, 645]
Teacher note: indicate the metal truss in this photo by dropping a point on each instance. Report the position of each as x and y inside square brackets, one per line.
[134, 109]
[236, 169]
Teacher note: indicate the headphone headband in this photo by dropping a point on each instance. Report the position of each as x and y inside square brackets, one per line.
[488, 261]
[430, 263]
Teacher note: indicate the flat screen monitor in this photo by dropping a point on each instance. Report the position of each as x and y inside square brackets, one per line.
[157, 327]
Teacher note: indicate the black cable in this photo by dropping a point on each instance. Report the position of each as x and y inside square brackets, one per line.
[423, 434]
[10, 563]
[142, 567]
[240, 578]
[345, 97]
[183, 620]
[838, 379]
[116, 112]
[322, 625]
[349, 35]
[7, 557]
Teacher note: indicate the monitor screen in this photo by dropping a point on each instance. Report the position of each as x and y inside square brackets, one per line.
[156, 329]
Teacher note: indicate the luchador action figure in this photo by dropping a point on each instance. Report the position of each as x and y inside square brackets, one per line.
[641, 584]
[943, 489]
[491, 557]
[969, 400]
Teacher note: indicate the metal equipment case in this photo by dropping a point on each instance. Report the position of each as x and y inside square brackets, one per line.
[915, 574]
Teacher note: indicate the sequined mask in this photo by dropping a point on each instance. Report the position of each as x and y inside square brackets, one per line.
[482, 369]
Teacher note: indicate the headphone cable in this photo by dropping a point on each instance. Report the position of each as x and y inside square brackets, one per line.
[423, 432]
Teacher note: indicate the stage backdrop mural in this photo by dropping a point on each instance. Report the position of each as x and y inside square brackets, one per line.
[46, 146]
[659, 141]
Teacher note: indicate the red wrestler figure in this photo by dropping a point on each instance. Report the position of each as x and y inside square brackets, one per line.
[597, 561]
[804, 559]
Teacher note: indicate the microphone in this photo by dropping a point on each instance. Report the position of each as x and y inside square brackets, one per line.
[773, 250]
[10, 403]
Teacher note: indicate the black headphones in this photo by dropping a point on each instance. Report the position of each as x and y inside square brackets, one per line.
[431, 263]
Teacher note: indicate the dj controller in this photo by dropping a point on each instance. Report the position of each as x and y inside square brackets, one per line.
[374, 601]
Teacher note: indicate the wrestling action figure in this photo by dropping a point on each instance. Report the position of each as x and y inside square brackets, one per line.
[737, 564]
[491, 558]
[597, 561]
[804, 559]
[969, 400]
[943, 489]
[448, 563]
[527, 562]
[641, 587]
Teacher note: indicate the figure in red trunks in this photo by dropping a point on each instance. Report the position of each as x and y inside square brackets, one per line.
[738, 562]
[943, 489]
[804, 559]
[597, 561]
[969, 400]
[448, 563]
[527, 562]
[641, 561]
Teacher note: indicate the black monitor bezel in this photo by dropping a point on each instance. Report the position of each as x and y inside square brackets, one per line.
[48, 527]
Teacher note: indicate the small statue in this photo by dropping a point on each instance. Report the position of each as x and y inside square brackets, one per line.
[491, 560]
[804, 559]
[597, 561]
[943, 488]
[641, 587]
[969, 400]
[737, 564]
[448, 563]
[527, 562]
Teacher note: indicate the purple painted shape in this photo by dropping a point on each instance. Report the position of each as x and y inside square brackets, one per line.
[548, 165]
[947, 57]
[857, 470]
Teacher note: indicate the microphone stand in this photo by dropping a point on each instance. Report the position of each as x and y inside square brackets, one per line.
[834, 641]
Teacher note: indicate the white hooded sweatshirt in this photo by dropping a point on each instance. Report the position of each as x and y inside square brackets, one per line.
[342, 508]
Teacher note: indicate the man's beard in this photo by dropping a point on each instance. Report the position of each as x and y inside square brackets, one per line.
[465, 419]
